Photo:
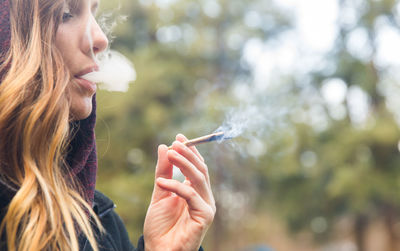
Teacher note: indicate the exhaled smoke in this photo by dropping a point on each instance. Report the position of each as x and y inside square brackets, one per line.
[109, 20]
[115, 72]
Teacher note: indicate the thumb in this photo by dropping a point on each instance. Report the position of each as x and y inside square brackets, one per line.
[164, 167]
[163, 170]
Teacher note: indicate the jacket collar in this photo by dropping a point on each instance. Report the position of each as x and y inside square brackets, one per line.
[102, 205]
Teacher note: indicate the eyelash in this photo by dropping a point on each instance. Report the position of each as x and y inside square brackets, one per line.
[67, 16]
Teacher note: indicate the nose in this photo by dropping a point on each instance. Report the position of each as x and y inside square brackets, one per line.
[98, 40]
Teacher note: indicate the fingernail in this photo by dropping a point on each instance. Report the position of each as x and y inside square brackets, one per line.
[180, 135]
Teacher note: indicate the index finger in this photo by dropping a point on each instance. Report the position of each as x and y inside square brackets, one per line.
[182, 138]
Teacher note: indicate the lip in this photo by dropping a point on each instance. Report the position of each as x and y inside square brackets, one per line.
[87, 70]
[91, 87]
[86, 84]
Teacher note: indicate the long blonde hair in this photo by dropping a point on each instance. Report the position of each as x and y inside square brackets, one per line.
[47, 212]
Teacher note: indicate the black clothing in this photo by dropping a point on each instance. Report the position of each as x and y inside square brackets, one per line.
[116, 237]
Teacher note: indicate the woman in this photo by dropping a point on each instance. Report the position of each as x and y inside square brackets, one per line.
[48, 157]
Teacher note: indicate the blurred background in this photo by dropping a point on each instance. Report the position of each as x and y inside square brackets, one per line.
[315, 87]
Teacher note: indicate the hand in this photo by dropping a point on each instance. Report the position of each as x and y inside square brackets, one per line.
[179, 213]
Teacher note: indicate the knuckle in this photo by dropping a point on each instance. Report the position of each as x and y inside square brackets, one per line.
[205, 167]
[192, 193]
[202, 166]
[201, 178]
[202, 226]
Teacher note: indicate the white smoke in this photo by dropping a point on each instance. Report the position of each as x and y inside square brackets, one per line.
[115, 72]
[255, 121]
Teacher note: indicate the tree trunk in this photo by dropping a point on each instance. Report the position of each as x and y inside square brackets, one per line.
[360, 226]
[389, 214]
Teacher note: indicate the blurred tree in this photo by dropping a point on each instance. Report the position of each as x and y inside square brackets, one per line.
[328, 162]
[354, 162]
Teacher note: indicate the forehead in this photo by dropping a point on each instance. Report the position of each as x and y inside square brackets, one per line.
[74, 4]
[78, 4]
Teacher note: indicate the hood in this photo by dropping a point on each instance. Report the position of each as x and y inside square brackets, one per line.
[4, 26]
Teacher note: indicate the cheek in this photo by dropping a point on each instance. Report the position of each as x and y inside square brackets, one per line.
[64, 42]
[60, 38]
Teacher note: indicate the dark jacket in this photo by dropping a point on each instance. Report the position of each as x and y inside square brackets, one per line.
[116, 237]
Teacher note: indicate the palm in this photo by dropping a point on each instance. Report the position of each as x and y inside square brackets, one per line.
[172, 222]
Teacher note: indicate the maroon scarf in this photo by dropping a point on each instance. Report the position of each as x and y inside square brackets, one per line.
[82, 155]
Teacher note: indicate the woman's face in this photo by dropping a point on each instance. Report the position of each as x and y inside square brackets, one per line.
[79, 38]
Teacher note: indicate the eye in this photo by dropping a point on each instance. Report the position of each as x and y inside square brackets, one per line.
[67, 16]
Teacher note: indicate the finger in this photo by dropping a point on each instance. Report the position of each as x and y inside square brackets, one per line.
[196, 178]
[163, 170]
[193, 199]
[182, 138]
[192, 157]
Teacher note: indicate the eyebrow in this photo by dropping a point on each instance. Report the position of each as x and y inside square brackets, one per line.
[95, 6]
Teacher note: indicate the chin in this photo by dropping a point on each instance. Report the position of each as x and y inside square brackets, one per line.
[81, 110]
